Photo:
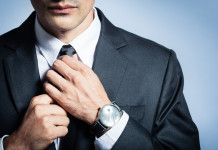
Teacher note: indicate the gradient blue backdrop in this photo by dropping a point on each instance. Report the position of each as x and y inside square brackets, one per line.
[188, 27]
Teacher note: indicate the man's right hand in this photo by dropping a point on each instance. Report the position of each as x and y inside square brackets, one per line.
[42, 124]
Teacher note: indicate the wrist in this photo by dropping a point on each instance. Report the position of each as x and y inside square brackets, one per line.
[92, 117]
[13, 142]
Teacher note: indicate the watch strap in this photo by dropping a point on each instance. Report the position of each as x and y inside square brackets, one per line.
[98, 128]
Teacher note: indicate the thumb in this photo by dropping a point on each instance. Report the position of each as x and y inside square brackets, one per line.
[43, 99]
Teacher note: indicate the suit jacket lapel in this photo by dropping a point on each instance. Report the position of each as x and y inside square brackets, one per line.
[109, 64]
[21, 66]
[110, 67]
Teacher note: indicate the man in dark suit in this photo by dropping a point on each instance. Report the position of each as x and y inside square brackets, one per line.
[67, 103]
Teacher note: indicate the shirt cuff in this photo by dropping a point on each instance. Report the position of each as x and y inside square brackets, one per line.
[57, 143]
[107, 140]
[1, 142]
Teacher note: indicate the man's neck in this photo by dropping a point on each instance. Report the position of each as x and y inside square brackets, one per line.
[69, 35]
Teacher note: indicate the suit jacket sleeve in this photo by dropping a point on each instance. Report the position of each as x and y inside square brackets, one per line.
[173, 127]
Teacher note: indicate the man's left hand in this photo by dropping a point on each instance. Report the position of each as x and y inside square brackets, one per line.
[79, 90]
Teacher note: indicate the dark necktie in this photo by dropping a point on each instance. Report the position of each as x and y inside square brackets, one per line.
[67, 141]
[70, 51]
[67, 50]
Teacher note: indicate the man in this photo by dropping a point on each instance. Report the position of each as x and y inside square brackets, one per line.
[53, 101]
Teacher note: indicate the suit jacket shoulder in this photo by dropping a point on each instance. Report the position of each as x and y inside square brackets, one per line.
[148, 48]
[5, 40]
[18, 36]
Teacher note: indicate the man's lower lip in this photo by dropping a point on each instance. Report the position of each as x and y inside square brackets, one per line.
[62, 11]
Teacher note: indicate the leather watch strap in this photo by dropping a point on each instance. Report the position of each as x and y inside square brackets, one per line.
[97, 129]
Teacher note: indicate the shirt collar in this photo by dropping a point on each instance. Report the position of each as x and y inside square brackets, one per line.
[84, 44]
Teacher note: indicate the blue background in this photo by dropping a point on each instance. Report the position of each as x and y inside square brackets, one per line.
[189, 27]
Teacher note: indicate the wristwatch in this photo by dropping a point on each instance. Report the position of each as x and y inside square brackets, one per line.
[108, 116]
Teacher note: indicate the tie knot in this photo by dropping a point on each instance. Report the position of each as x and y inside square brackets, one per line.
[67, 50]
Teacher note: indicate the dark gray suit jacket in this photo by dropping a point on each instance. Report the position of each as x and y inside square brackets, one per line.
[143, 77]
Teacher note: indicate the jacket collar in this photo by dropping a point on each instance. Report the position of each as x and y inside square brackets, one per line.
[21, 66]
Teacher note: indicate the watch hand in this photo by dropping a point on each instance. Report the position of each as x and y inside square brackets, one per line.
[114, 119]
[110, 114]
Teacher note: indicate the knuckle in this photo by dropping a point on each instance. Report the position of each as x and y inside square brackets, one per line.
[34, 100]
[83, 70]
[62, 85]
[60, 97]
[77, 78]
[64, 112]
[46, 86]
[71, 75]
[45, 120]
[67, 121]
[66, 97]
[65, 130]
[84, 67]
[48, 132]
[37, 111]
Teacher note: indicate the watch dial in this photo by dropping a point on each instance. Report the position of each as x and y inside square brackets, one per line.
[109, 115]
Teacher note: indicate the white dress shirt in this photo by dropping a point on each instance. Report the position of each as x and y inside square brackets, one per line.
[47, 50]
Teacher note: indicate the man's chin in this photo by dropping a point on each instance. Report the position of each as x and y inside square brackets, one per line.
[62, 24]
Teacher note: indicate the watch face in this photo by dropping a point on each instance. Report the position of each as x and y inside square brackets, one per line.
[109, 115]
